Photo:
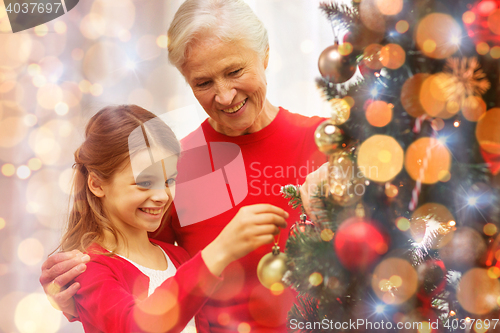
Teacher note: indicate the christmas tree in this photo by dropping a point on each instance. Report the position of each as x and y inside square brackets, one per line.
[403, 234]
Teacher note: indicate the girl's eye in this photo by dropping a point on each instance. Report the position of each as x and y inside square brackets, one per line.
[170, 182]
[144, 184]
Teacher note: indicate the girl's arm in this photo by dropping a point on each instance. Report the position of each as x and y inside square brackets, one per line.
[105, 304]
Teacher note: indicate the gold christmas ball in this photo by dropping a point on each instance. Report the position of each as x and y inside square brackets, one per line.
[336, 64]
[328, 137]
[271, 269]
[345, 181]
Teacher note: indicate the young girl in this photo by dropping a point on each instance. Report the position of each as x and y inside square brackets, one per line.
[124, 184]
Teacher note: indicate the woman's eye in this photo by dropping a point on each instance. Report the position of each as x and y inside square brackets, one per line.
[203, 84]
[236, 71]
[144, 184]
[170, 182]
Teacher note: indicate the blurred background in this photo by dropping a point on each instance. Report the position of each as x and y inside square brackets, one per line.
[54, 77]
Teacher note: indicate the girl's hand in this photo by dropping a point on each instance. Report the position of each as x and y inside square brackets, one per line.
[252, 227]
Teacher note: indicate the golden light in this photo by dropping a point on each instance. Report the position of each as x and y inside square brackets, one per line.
[410, 94]
[403, 223]
[432, 95]
[8, 169]
[117, 15]
[30, 120]
[482, 48]
[434, 34]
[379, 113]
[371, 56]
[477, 292]
[61, 108]
[392, 56]
[277, 288]
[494, 22]
[474, 107]
[468, 17]
[456, 123]
[47, 142]
[244, 328]
[380, 158]
[39, 81]
[7, 86]
[85, 86]
[223, 318]
[452, 313]
[16, 49]
[60, 27]
[490, 229]
[49, 95]
[326, 235]
[41, 30]
[315, 279]
[51, 67]
[425, 160]
[432, 220]
[96, 89]
[65, 180]
[341, 109]
[394, 281]
[402, 26]
[105, 63]
[495, 52]
[391, 190]
[494, 272]
[34, 69]
[92, 26]
[34, 314]
[487, 133]
[12, 131]
[30, 251]
[2, 223]
[345, 49]
[162, 41]
[23, 172]
[146, 47]
[437, 124]
[34, 164]
[389, 7]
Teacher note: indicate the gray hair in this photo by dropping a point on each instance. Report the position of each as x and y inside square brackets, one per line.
[227, 20]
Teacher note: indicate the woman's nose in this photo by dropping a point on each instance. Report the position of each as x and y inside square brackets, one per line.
[225, 94]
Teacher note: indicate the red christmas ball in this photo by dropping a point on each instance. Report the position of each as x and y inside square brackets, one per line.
[482, 22]
[358, 243]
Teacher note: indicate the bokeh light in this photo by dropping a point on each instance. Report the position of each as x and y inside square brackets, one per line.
[432, 95]
[477, 292]
[494, 22]
[379, 113]
[341, 109]
[430, 225]
[30, 251]
[315, 279]
[391, 190]
[394, 281]
[16, 49]
[410, 95]
[474, 107]
[402, 223]
[35, 315]
[49, 95]
[437, 124]
[495, 52]
[436, 35]
[65, 180]
[371, 16]
[146, 47]
[482, 48]
[34, 164]
[389, 7]
[162, 41]
[490, 229]
[12, 131]
[487, 132]
[371, 56]
[426, 159]
[468, 17]
[392, 56]
[8, 169]
[30, 120]
[23, 172]
[120, 16]
[105, 63]
[402, 26]
[380, 158]
[2, 223]
[464, 250]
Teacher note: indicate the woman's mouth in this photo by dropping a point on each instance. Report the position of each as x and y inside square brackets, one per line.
[236, 108]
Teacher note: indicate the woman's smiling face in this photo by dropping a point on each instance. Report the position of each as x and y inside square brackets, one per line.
[228, 80]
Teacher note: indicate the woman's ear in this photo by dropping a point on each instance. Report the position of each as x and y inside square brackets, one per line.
[266, 58]
[95, 185]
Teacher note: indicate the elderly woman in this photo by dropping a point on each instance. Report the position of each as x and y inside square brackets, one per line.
[222, 50]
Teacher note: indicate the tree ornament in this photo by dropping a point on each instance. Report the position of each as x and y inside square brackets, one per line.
[300, 226]
[336, 64]
[345, 181]
[272, 267]
[358, 243]
[328, 137]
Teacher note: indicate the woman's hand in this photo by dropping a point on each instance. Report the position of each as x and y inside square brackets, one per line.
[310, 188]
[252, 227]
[57, 273]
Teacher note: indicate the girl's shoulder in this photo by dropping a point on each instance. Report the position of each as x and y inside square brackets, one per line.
[176, 253]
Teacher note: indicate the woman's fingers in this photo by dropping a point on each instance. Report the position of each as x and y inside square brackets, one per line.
[63, 268]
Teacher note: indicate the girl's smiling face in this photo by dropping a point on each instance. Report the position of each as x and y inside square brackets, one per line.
[140, 192]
